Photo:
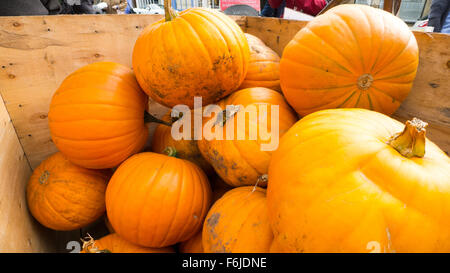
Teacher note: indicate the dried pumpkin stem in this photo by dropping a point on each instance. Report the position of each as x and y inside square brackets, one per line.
[170, 151]
[170, 14]
[411, 142]
[150, 118]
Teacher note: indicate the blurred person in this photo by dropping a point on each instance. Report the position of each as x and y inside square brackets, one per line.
[439, 16]
[311, 7]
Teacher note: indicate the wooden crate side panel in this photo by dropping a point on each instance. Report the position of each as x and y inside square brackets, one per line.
[19, 232]
[41, 51]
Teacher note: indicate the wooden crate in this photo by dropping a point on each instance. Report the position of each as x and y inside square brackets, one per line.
[37, 52]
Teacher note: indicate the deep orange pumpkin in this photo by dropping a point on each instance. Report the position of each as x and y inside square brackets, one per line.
[64, 196]
[242, 162]
[96, 116]
[156, 200]
[199, 52]
[263, 67]
[113, 243]
[238, 222]
[162, 140]
[351, 56]
[354, 180]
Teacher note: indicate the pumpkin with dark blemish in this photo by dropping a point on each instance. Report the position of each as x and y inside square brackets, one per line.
[113, 243]
[197, 52]
[242, 162]
[156, 200]
[238, 223]
[352, 56]
[63, 196]
[263, 67]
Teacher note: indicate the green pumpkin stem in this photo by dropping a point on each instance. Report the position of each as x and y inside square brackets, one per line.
[170, 14]
[150, 118]
[411, 142]
[170, 151]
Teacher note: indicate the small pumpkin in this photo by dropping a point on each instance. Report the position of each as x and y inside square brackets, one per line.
[156, 200]
[354, 180]
[198, 52]
[263, 67]
[242, 161]
[64, 196]
[162, 140]
[113, 243]
[193, 245]
[96, 116]
[238, 223]
[351, 56]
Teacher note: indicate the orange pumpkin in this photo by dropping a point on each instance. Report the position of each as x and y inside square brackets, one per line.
[351, 56]
[156, 200]
[354, 180]
[193, 245]
[199, 52]
[113, 243]
[242, 161]
[263, 67]
[64, 196]
[162, 140]
[96, 116]
[238, 223]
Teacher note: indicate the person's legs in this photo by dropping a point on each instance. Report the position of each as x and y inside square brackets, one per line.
[280, 10]
[446, 24]
[267, 11]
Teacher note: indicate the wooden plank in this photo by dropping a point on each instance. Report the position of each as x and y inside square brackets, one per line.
[36, 53]
[19, 232]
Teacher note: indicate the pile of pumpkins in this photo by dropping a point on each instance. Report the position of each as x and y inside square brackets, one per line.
[345, 176]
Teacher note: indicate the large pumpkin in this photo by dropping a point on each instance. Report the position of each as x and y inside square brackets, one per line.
[263, 67]
[162, 141]
[354, 180]
[238, 223]
[193, 245]
[64, 196]
[156, 200]
[243, 161]
[113, 243]
[96, 116]
[351, 56]
[199, 52]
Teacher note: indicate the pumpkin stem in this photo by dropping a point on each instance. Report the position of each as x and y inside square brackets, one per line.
[90, 247]
[411, 142]
[150, 118]
[170, 151]
[170, 14]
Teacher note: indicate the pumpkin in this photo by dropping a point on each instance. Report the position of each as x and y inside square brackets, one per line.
[352, 56]
[354, 180]
[108, 224]
[96, 116]
[162, 141]
[193, 245]
[243, 161]
[238, 223]
[64, 196]
[113, 243]
[156, 200]
[263, 67]
[198, 52]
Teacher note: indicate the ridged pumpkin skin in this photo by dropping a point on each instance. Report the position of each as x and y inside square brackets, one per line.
[96, 116]
[64, 196]
[238, 223]
[193, 245]
[263, 67]
[242, 162]
[351, 56]
[155, 200]
[199, 53]
[185, 149]
[113, 243]
[337, 186]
